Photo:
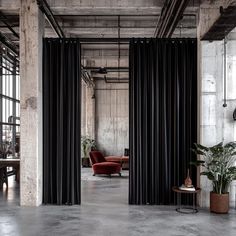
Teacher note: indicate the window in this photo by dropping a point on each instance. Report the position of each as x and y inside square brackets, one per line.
[9, 101]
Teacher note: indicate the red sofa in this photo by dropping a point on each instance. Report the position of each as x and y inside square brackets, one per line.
[101, 166]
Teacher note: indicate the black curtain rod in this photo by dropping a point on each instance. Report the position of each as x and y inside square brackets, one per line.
[116, 40]
[107, 15]
[93, 40]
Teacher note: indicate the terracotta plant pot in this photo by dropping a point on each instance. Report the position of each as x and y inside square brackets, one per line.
[219, 203]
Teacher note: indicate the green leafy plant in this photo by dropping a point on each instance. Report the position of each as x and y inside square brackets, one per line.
[219, 164]
[86, 145]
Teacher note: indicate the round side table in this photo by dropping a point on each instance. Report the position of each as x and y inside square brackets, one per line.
[186, 209]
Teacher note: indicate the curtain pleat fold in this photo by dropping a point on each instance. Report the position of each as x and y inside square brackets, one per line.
[163, 117]
[61, 121]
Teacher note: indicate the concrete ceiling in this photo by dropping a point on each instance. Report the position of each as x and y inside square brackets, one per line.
[92, 18]
[99, 19]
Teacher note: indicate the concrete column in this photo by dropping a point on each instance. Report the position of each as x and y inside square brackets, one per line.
[31, 33]
[215, 122]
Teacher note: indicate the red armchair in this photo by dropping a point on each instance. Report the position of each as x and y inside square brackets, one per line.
[101, 166]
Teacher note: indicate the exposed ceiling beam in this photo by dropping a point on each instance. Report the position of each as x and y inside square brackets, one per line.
[223, 25]
[4, 19]
[172, 13]
[44, 7]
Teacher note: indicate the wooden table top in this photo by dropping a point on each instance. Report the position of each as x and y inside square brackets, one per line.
[9, 162]
[177, 190]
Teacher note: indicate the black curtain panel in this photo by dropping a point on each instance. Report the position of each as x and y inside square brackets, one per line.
[61, 121]
[163, 117]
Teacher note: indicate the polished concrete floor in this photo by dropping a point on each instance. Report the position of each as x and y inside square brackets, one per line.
[105, 212]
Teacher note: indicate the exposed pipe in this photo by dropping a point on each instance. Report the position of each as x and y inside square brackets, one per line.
[225, 74]
[45, 8]
[171, 13]
[112, 80]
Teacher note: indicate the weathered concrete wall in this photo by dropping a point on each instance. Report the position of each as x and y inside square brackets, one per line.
[217, 122]
[112, 117]
[87, 111]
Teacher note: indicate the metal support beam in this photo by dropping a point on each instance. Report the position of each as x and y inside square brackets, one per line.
[7, 97]
[223, 25]
[172, 13]
[44, 7]
[8, 44]
[3, 18]
[9, 56]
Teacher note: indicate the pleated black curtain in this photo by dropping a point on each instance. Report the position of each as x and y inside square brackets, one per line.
[61, 121]
[163, 117]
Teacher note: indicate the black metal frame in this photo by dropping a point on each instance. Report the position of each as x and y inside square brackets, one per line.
[186, 209]
[9, 67]
[4, 19]
[8, 44]
[45, 8]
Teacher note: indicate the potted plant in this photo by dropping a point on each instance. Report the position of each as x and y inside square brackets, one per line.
[87, 144]
[219, 166]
